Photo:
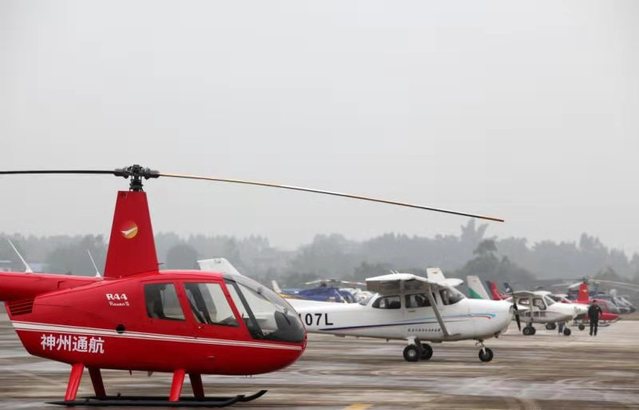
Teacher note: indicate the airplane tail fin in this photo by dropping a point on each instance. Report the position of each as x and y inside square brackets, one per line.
[276, 286]
[583, 296]
[494, 292]
[476, 289]
[131, 247]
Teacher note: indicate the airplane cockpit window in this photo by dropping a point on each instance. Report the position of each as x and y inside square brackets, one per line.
[162, 302]
[418, 300]
[450, 296]
[267, 316]
[209, 305]
[549, 300]
[523, 301]
[539, 304]
[388, 302]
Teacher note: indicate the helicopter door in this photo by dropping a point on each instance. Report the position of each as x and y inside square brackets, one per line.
[210, 309]
[163, 309]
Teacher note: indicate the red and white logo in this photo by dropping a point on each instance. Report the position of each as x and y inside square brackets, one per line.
[129, 230]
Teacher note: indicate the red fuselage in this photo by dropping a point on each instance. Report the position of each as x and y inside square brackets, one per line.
[105, 323]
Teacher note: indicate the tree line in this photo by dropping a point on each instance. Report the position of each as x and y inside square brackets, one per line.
[335, 256]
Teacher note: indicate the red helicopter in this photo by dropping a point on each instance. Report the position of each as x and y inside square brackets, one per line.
[137, 317]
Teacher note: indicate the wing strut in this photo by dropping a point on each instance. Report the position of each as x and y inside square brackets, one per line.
[433, 303]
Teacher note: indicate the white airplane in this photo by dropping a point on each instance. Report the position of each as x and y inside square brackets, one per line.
[410, 307]
[533, 307]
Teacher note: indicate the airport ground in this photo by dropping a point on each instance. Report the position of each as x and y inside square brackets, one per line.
[545, 371]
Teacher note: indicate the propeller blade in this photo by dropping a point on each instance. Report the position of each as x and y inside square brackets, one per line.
[320, 191]
[515, 309]
[517, 319]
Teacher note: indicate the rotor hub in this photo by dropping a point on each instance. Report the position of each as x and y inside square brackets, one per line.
[135, 173]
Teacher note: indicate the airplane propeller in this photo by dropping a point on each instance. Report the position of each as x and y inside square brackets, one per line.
[515, 309]
[137, 173]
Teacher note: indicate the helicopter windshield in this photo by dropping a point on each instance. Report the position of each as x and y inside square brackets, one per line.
[266, 314]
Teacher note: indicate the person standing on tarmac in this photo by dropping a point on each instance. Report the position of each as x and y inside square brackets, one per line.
[594, 311]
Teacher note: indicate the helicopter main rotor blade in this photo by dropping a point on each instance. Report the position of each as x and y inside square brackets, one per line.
[59, 171]
[320, 191]
[136, 173]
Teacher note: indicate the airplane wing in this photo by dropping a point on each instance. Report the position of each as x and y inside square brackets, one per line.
[395, 283]
[524, 294]
[436, 275]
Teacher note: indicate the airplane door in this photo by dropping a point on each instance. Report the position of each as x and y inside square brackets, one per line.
[418, 313]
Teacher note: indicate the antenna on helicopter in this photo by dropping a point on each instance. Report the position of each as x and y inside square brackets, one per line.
[97, 271]
[27, 268]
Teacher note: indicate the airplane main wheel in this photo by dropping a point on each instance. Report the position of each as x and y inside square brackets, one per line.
[529, 331]
[582, 326]
[411, 353]
[486, 355]
[567, 331]
[551, 326]
[427, 352]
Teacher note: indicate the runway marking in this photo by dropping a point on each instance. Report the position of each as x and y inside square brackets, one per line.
[358, 406]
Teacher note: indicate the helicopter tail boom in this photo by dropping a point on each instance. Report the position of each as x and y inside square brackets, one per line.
[16, 286]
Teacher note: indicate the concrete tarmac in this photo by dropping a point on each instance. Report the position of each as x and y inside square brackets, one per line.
[545, 371]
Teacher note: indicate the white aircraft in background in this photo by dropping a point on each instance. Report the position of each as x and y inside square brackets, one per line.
[412, 308]
[533, 307]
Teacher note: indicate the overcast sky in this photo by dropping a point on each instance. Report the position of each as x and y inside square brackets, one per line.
[526, 111]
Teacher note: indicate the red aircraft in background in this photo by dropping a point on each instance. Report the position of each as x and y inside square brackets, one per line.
[137, 317]
[606, 316]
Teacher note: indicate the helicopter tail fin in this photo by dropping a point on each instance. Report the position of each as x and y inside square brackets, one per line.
[131, 247]
[583, 296]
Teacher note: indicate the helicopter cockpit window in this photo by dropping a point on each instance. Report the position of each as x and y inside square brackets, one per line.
[388, 302]
[209, 305]
[162, 302]
[418, 300]
[450, 296]
[267, 316]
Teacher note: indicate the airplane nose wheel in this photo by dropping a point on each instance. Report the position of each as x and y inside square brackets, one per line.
[486, 355]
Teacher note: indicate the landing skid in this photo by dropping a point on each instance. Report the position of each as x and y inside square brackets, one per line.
[158, 401]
